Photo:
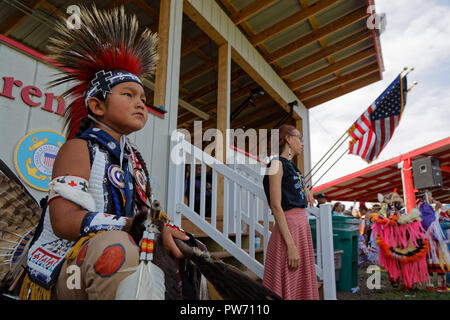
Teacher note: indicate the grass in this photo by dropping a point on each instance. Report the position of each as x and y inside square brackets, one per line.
[388, 292]
[417, 293]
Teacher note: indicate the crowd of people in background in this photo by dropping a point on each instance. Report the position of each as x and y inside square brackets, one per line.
[338, 208]
[368, 250]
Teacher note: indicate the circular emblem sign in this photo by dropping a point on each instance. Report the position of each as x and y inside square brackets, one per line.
[34, 157]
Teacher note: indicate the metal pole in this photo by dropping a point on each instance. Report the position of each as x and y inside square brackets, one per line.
[326, 153]
[331, 166]
[310, 172]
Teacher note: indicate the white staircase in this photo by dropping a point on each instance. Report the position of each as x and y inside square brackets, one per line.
[245, 210]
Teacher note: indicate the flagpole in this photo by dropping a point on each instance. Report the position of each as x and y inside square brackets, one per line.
[310, 172]
[344, 135]
[409, 71]
[331, 166]
[414, 84]
[404, 69]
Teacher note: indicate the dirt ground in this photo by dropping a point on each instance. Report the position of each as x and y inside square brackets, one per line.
[387, 291]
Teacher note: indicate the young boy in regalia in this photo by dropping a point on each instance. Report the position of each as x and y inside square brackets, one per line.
[100, 189]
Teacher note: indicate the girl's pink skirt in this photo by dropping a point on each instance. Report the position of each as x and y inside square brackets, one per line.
[292, 284]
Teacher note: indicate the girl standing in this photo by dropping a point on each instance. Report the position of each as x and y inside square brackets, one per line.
[289, 267]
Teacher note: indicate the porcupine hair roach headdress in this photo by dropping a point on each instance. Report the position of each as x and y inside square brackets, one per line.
[106, 50]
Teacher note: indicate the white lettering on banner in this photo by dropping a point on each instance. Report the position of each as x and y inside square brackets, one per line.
[44, 259]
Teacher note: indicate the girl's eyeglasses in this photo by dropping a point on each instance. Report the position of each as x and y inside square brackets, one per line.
[300, 137]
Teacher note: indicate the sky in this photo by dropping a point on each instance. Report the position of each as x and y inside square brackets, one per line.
[417, 35]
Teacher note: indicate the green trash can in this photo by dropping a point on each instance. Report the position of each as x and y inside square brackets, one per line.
[345, 238]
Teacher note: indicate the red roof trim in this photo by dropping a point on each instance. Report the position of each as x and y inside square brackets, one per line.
[21, 47]
[248, 154]
[398, 159]
[35, 54]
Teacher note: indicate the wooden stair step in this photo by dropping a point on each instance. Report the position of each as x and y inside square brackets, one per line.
[320, 287]
[188, 226]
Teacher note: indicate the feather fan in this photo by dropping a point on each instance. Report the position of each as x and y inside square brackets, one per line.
[19, 216]
[230, 282]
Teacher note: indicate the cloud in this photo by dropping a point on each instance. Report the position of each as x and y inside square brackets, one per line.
[417, 31]
[417, 34]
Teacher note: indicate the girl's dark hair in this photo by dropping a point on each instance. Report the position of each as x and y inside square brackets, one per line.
[284, 131]
[86, 123]
[144, 166]
[137, 228]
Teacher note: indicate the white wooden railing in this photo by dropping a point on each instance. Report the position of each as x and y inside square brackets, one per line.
[245, 209]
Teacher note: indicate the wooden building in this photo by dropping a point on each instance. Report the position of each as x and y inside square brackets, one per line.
[214, 54]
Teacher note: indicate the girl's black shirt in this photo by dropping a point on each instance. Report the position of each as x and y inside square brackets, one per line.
[292, 186]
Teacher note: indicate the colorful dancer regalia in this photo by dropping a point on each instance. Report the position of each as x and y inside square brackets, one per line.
[411, 246]
[373, 247]
[110, 196]
[402, 249]
[438, 257]
[373, 243]
[363, 252]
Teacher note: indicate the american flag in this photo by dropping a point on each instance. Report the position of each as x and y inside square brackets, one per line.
[49, 159]
[374, 128]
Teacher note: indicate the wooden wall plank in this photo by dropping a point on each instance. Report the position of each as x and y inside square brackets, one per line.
[17, 18]
[324, 53]
[163, 47]
[300, 158]
[313, 36]
[240, 54]
[250, 10]
[343, 90]
[223, 116]
[258, 69]
[339, 81]
[223, 93]
[341, 64]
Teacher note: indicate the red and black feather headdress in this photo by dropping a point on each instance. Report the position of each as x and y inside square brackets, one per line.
[107, 49]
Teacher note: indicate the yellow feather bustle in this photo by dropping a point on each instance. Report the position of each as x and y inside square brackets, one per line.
[33, 291]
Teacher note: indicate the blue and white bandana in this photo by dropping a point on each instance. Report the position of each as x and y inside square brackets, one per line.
[105, 80]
